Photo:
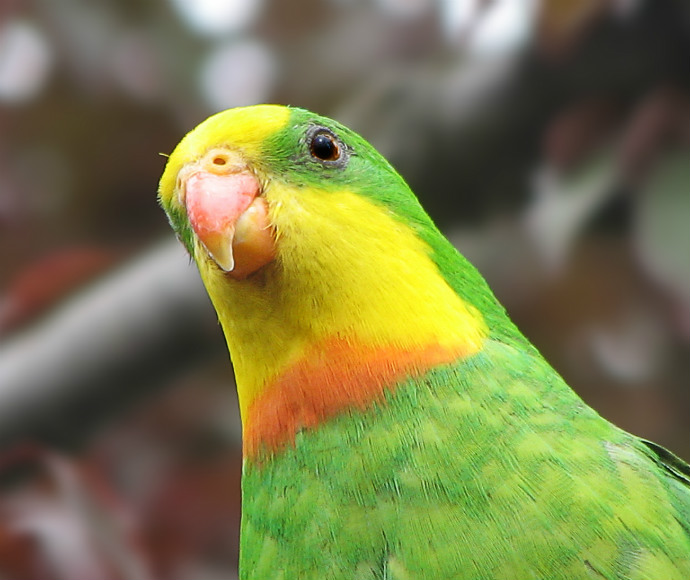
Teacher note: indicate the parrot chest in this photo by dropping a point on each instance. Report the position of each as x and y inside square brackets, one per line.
[435, 481]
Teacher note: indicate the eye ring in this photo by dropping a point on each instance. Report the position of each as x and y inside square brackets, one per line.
[325, 147]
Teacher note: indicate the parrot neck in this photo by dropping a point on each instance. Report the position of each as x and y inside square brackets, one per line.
[330, 378]
[337, 320]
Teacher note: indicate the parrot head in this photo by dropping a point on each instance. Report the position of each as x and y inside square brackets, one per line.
[246, 182]
[313, 248]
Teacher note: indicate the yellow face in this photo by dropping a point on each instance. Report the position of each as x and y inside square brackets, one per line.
[345, 268]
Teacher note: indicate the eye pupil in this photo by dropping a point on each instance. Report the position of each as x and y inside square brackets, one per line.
[324, 147]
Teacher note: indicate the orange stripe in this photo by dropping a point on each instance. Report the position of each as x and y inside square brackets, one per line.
[328, 380]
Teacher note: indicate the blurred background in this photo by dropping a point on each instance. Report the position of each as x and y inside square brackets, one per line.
[549, 139]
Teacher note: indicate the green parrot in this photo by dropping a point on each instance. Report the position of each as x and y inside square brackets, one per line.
[396, 424]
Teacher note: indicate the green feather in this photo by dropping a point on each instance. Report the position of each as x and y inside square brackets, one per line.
[489, 468]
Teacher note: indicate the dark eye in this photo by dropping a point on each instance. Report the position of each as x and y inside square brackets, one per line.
[324, 146]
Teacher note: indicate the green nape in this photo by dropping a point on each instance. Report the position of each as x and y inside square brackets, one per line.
[505, 474]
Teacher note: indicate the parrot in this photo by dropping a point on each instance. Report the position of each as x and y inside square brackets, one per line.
[396, 425]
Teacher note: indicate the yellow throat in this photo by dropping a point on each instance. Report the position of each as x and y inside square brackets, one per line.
[335, 276]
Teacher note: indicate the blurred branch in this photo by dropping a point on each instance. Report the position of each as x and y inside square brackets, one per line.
[104, 348]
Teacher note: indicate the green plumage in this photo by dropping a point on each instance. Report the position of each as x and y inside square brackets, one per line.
[489, 468]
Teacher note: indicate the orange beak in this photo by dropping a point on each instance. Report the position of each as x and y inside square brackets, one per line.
[227, 213]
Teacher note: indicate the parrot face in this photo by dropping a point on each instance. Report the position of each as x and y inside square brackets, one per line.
[310, 245]
[237, 195]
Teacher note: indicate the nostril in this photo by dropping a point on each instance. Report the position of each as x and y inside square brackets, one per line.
[221, 161]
